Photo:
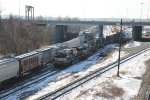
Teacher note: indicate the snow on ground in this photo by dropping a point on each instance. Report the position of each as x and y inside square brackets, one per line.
[132, 44]
[109, 87]
[58, 80]
[79, 70]
[75, 71]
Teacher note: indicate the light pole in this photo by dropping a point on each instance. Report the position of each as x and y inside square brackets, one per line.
[141, 10]
[19, 9]
[84, 14]
[147, 9]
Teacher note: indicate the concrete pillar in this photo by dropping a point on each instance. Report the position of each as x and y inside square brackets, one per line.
[59, 33]
[101, 30]
[137, 33]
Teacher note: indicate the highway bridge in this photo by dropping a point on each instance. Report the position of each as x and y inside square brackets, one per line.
[61, 27]
[58, 22]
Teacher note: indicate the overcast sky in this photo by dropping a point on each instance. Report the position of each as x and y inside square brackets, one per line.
[79, 8]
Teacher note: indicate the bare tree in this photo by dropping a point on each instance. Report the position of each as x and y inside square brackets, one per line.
[18, 37]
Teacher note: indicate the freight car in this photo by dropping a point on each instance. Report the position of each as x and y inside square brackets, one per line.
[23, 64]
[9, 68]
[28, 61]
[47, 54]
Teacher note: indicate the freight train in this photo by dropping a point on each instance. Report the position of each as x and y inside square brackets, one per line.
[59, 54]
[23, 64]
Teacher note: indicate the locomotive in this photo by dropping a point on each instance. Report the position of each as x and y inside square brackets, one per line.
[69, 56]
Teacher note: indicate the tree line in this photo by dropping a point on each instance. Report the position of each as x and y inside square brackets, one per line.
[17, 37]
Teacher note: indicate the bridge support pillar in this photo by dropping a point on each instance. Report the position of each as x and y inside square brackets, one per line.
[100, 30]
[137, 33]
[59, 33]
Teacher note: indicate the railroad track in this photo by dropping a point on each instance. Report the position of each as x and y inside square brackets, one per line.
[21, 86]
[27, 79]
[32, 81]
[61, 91]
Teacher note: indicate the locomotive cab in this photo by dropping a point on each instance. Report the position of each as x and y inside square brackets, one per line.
[64, 57]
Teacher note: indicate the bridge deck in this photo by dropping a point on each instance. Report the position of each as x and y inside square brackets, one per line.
[55, 22]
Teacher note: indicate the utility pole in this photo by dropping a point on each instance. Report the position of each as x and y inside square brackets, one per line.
[120, 37]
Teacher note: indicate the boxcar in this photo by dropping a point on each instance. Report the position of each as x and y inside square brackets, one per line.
[9, 68]
[29, 61]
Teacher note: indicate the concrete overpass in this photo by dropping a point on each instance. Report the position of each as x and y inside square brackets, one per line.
[61, 27]
[56, 22]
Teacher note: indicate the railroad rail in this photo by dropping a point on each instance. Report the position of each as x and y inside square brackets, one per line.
[63, 90]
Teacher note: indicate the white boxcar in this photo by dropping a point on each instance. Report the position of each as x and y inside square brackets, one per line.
[9, 68]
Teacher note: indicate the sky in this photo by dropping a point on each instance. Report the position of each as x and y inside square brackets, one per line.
[79, 8]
